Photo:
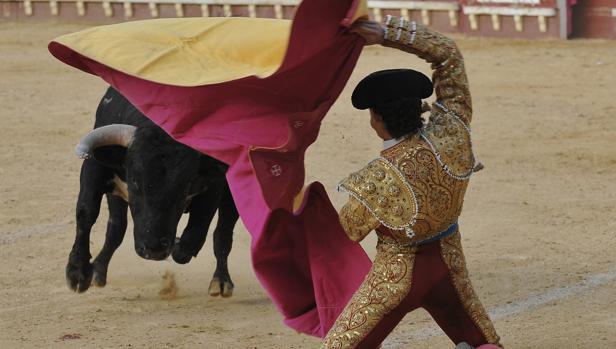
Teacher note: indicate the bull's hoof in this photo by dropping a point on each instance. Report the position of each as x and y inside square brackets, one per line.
[100, 276]
[179, 256]
[79, 275]
[222, 288]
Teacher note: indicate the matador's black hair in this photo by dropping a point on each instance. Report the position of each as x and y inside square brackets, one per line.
[401, 117]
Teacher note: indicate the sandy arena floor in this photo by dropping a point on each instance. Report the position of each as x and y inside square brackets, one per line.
[538, 224]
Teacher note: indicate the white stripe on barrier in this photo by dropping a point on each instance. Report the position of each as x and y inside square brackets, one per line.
[53, 8]
[496, 22]
[278, 11]
[179, 10]
[107, 9]
[425, 17]
[128, 9]
[453, 18]
[543, 25]
[28, 7]
[414, 5]
[472, 18]
[81, 8]
[404, 13]
[376, 14]
[512, 2]
[519, 23]
[153, 9]
[508, 11]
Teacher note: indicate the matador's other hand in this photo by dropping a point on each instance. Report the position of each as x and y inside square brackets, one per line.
[373, 32]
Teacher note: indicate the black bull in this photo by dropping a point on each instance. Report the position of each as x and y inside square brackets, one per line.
[136, 165]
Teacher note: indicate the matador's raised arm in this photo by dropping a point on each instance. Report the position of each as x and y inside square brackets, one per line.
[447, 132]
[449, 76]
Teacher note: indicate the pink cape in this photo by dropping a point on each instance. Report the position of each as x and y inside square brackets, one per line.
[261, 128]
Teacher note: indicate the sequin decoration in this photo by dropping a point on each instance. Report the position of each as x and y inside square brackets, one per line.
[388, 282]
[448, 132]
[381, 186]
[356, 220]
[439, 196]
[451, 250]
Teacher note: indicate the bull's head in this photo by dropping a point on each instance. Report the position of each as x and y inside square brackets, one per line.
[160, 176]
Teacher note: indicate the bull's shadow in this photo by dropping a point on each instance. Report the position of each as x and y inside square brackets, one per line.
[136, 165]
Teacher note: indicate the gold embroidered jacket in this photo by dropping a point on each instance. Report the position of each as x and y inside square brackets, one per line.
[416, 188]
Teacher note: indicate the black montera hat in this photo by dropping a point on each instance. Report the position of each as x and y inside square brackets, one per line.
[390, 85]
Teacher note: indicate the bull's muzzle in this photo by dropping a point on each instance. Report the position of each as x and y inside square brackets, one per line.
[155, 249]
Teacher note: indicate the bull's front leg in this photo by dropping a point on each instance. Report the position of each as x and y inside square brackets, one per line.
[201, 212]
[223, 240]
[116, 229]
[93, 180]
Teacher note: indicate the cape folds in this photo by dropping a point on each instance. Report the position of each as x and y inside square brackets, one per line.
[251, 93]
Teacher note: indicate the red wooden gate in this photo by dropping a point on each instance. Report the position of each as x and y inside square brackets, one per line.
[595, 19]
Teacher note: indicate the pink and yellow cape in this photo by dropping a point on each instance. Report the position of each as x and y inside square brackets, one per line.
[251, 93]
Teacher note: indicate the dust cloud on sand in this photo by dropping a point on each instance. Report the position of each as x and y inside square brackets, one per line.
[169, 289]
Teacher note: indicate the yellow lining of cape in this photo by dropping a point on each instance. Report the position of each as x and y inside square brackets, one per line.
[190, 51]
[187, 51]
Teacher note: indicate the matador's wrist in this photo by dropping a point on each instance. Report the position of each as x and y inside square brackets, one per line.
[399, 30]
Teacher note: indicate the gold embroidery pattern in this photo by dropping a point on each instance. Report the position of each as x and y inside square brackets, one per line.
[436, 164]
[387, 284]
[439, 196]
[447, 131]
[385, 192]
[450, 140]
[356, 220]
[451, 250]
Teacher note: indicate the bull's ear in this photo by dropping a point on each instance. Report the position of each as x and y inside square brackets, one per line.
[112, 156]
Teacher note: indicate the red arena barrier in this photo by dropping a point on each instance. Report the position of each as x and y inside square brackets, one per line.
[499, 18]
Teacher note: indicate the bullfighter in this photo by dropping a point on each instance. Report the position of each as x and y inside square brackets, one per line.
[412, 195]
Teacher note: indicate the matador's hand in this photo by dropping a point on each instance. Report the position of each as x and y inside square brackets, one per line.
[373, 32]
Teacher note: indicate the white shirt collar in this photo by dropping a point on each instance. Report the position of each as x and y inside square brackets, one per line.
[391, 142]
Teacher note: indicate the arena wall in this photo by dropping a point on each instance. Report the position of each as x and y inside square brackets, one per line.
[496, 18]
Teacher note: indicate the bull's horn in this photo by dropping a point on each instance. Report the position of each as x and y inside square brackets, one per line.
[115, 134]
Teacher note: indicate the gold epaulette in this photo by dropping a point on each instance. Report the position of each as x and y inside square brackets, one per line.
[450, 140]
[386, 193]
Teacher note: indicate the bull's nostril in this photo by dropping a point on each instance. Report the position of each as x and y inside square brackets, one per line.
[141, 250]
[164, 242]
